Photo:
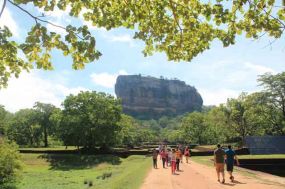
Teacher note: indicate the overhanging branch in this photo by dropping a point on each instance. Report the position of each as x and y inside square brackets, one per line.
[37, 18]
[3, 7]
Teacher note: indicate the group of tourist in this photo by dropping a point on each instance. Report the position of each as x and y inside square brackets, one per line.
[173, 157]
[222, 157]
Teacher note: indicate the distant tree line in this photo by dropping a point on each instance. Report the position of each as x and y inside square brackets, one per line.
[88, 120]
[92, 119]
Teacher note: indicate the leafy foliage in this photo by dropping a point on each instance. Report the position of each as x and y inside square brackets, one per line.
[45, 111]
[275, 99]
[10, 164]
[132, 133]
[168, 26]
[4, 117]
[25, 128]
[193, 128]
[90, 119]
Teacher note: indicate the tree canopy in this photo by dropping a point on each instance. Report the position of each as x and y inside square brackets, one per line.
[181, 29]
[90, 119]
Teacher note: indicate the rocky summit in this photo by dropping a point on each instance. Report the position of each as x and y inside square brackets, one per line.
[149, 97]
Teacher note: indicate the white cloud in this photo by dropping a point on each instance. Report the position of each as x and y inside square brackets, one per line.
[227, 79]
[217, 96]
[105, 79]
[124, 38]
[258, 68]
[7, 20]
[30, 88]
[121, 38]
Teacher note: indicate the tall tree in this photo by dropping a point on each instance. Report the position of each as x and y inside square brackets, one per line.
[44, 112]
[90, 119]
[181, 29]
[193, 128]
[242, 117]
[25, 128]
[128, 134]
[217, 130]
[3, 121]
[274, 90]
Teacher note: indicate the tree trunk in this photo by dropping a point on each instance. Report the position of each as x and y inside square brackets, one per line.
[45, 137]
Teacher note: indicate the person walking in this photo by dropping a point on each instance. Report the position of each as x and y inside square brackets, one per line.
[169, 155]
[230, 160]
[173, 161]
[166, 157]
[187, 154]
[181, 148]
[178, 158]
[219, 162]
[163, 155]
[154, 158]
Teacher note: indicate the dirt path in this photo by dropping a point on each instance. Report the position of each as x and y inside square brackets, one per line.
[197, 176]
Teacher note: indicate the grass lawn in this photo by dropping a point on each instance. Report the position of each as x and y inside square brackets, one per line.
[43, 171]
[271, 156]
[50, 148]
[206, 160]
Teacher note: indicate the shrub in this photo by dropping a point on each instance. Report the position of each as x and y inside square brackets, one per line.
[10, 163]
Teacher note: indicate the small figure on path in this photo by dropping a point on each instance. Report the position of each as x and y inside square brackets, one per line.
[230, 159]
[160, 147]
[169, 155]
[219, 162]
[154, 158]
[173, 161]
[187, 153]
[182, 152]
[178, 158]
[163, 155]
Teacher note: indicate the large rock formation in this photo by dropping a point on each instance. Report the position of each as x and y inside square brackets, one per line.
[149, 97]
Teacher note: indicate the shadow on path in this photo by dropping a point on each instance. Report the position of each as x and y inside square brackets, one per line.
[237, 182]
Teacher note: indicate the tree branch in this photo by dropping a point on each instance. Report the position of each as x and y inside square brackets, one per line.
[3, 7]
[34, 17]
[176, 20]
[37, 18]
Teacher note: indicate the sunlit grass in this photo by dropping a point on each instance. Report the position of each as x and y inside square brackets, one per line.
[76, 172]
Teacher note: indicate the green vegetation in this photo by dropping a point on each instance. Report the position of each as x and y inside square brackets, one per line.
[92, 120]
[53, 148]
[165, 26]
[10, 164]
[206, 160]
[271, 156]
[72, 171]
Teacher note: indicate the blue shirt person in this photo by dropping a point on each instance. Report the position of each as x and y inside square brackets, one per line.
[230, 160]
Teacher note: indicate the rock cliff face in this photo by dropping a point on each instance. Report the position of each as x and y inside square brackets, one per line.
[149, 97]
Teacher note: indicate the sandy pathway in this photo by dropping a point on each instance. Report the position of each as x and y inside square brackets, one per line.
[197, 176]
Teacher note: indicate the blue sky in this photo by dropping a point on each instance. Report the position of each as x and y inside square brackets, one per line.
[218, 73]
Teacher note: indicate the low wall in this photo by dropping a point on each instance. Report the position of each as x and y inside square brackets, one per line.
[271, 166]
